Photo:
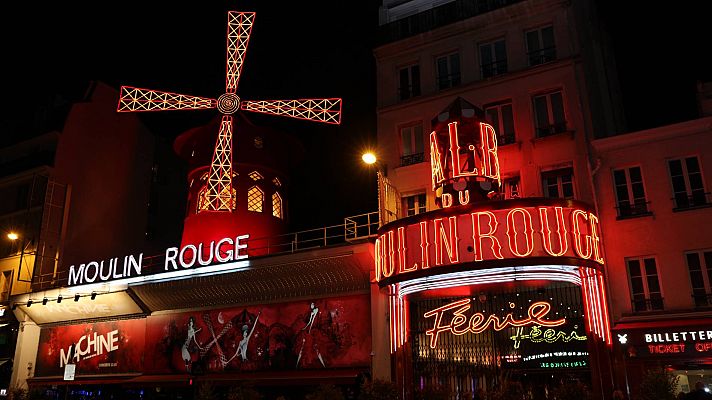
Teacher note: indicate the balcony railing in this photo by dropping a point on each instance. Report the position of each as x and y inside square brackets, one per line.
[652, 304]
[448, 81]
[407, 92]
[638, 209]
[702, 299]
[551, 129]
[438, 16]
[411, 159]
[541, 56]
[494, 68]
[697, 199]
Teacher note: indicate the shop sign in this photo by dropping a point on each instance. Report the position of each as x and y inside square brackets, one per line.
[668, 342]
[94, 348]
[186, 257]
[553, 229]
[107, 305]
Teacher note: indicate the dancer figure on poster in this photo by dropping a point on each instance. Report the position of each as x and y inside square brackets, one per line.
[309, 325]
[185, 353]
[242, 345]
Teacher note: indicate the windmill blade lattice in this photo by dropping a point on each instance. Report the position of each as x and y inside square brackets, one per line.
[320, 110]
[135, 99]
[220, 195]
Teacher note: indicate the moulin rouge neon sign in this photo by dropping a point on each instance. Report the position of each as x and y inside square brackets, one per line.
[489, 234]
[475, 161]
[461, 324]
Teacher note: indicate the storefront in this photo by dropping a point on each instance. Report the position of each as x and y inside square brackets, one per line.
[486, 291]
[683, 347]
[282, 324]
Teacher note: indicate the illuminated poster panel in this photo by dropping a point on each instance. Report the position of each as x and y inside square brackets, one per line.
[101, 348]
[318, 334]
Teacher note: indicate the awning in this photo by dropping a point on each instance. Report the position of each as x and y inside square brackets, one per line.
[661, 323]
[316, 273]
[80, 380]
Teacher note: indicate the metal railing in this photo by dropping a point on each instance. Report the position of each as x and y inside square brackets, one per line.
[651, 304]
[541, 56]
[410, 91]
[637, 209]
[411, 159]
[684, 201]
[448, 81]
[494, 68]
[702, 299]
[442, 15]
[551, 129]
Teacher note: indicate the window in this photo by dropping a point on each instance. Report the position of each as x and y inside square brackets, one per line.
[411, 144]
[409, 82]
[501, 118]
[414, 204]
[493, 58]
[644, 284]
[687, 186]
[277, 205]
[540, 46]
[255, 198]
[448, 70]
[549, 114]
[558, 183]
[255, 176]
[510, 188]
[699, 263]
[277, 182]
[5, 285]
[630, 193]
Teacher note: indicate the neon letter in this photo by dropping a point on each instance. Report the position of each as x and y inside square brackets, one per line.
[477, 235]
[512, 232]
[560, 231]
[436, 166]
[448, 239]
[577, 235]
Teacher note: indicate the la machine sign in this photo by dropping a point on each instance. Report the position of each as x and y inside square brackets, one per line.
[499, 230]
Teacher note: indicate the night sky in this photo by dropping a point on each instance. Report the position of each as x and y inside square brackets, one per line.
[297, 50]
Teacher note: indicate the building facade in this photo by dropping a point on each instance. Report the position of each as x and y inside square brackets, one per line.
[654, 204]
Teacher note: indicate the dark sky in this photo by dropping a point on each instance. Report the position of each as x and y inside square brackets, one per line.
[297, 50]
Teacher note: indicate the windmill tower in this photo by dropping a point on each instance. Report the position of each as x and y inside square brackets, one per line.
[218, 206]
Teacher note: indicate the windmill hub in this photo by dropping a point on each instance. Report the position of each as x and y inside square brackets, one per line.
[228, 103]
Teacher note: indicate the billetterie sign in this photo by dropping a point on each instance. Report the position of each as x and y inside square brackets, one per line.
[470, 235]
[186, 257]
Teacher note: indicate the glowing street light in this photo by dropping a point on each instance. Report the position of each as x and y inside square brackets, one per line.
[13, 236]
[369, 158]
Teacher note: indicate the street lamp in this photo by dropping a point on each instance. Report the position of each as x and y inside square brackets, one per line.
[369, 158]
[13, 236]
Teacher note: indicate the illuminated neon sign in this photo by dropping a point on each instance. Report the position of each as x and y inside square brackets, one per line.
[557, 228]
[461, 324]
[186, 257]
[538, 335]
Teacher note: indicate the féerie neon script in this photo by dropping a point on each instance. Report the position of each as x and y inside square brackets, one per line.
[461, 324]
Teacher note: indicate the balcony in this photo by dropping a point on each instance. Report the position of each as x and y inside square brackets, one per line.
[494, 68]
[436, 17]
[638, 209]
[702, 300]
[408, 92]
[541, 56]
[411, 159]
[698, 199]
[551, 129]
[650, 304]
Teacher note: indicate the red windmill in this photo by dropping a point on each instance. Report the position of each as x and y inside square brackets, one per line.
[220, 195]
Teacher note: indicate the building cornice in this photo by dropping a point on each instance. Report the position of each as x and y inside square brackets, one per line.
[667, 132]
